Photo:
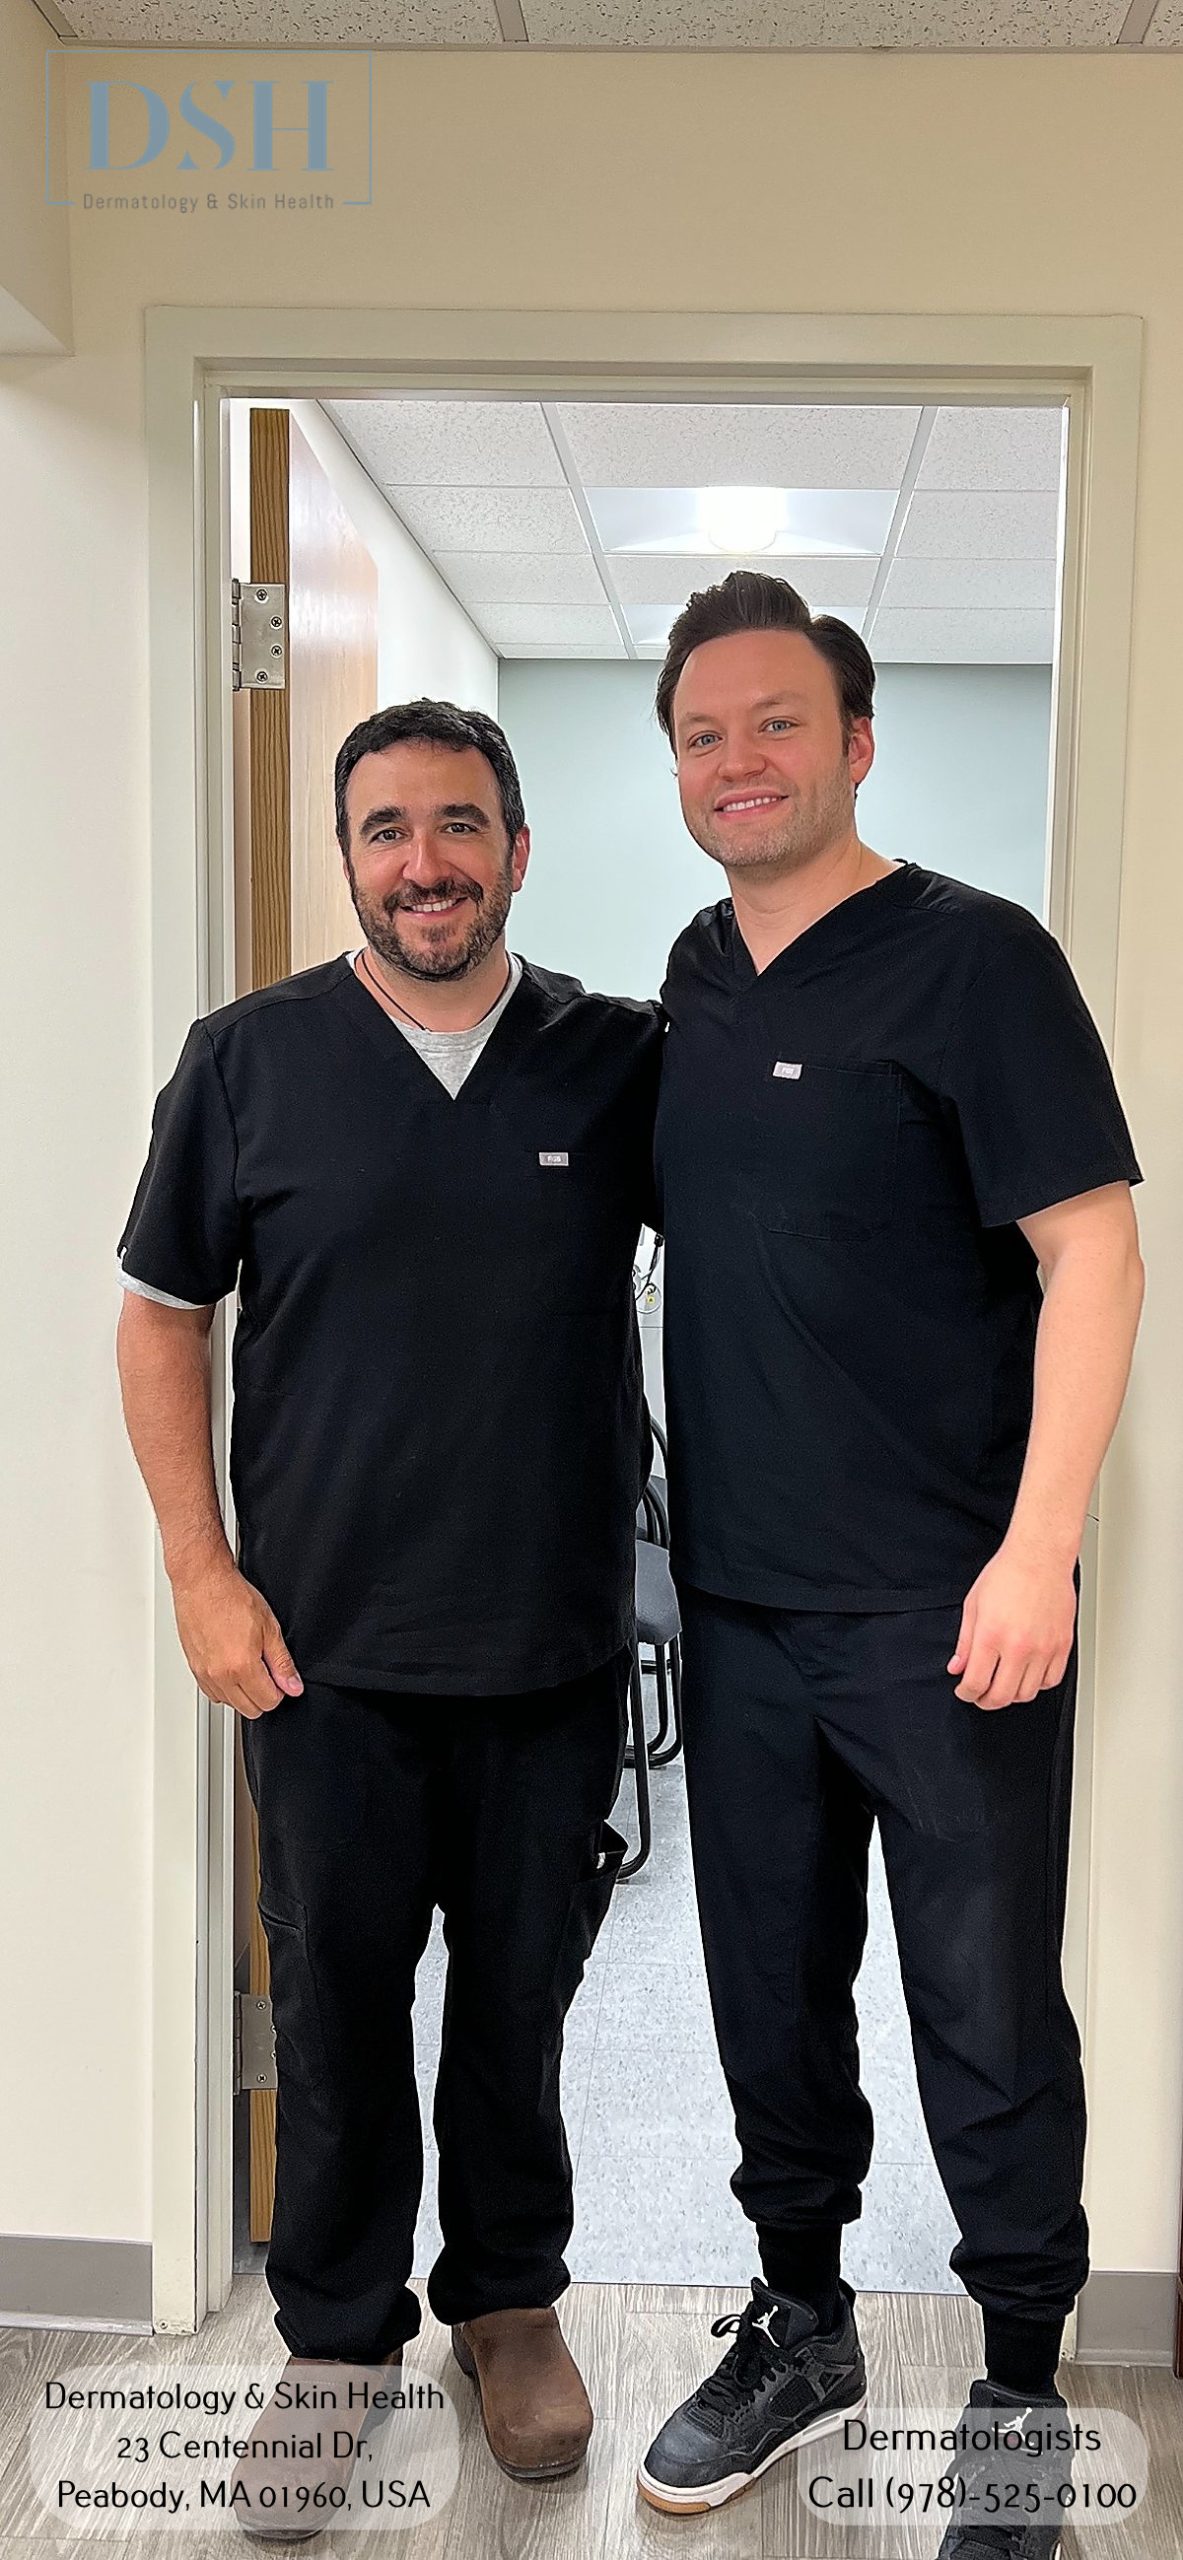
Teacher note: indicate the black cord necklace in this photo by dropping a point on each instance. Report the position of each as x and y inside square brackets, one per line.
[413, 1017]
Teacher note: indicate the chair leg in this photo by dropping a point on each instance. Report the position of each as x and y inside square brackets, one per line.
[656, 1749]
[661, 1760]
[663, 1720]
[658, 1738]
[640, 1762]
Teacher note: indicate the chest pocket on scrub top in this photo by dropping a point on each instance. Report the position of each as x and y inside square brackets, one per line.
[566, 1195]
[822, 1144]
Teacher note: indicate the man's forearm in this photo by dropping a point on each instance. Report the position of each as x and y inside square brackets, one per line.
[1084, 1345]
[164, 1372]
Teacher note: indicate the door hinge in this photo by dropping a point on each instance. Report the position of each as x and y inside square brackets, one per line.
[258, 637]
[254, 2042]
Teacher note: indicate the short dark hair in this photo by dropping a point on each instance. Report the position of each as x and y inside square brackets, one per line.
[751, 600]
[440, 724]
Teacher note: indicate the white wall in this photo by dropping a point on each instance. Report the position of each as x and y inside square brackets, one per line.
[34, 230]
[959, 784]
[926, 219]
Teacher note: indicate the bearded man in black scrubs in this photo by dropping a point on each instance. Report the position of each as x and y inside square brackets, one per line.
[424, 1167]
[885, 1113]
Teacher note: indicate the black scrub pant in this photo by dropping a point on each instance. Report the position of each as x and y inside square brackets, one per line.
[802, 1729]
[374, 1807]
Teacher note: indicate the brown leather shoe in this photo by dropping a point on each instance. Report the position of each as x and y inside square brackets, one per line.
[537, 2415]
[298, 2454]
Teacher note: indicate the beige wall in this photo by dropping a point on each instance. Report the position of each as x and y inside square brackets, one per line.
[843, 184]
[34, 232]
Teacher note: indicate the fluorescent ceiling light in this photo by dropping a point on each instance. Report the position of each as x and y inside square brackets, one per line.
[849, 524]
[740, 520]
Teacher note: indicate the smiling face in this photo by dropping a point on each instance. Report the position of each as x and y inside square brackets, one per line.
[765, 777]
[430, 866]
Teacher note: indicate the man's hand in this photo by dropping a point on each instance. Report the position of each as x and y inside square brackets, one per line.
[1016, 1628]
[232, 1641]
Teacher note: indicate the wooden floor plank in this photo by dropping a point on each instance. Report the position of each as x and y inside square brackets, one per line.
[642, 2348]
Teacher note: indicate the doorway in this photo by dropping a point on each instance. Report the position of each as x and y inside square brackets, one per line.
[1098, 396]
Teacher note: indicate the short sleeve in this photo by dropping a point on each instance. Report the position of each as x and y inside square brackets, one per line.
[1026, 1075]
[183, 1234]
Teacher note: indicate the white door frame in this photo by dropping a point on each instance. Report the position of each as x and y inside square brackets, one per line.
[197, 358]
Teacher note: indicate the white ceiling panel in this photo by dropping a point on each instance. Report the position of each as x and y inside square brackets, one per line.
[451, 444]
[490, 519]
[830, 586]
[478, 484]
[993, 449]
[980, 525]
[649, 624]
[963, 639]
[521, 577]
[578, 625]
[971, 582]
[979, 25]
[650, 445]
[675, 24]
[282, 22]
[910, 25]
[684, 25]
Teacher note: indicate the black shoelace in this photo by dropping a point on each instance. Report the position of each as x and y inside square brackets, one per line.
[745, 2366]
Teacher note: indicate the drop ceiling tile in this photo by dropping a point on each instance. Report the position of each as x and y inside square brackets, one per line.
[1166, 26]
[490, 519]
[529, 625]
[681, 25]
[954, 583]
[451, 444]
[962, 639]
[952, 525]
[521, 577]
[319, 23]
[567, 649]
[829, 586]
[748, 444]
[977, 25]
[993, 449]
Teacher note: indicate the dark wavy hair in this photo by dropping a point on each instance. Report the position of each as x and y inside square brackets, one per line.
[751, 600]
[440, 724]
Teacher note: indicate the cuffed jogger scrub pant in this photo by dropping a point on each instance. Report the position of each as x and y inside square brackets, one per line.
[801, 1729]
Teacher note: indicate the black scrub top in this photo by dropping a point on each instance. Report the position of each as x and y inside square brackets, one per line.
[439, 1435]
[844, 1143]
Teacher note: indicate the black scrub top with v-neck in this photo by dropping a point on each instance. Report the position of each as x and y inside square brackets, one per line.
[438, 1437]
[845, 1141]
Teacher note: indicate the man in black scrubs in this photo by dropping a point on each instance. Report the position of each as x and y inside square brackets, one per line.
[885, 1112]
[424, 1167]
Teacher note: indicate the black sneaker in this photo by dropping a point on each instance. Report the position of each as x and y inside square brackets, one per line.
[971, 2537]
[781, 2383]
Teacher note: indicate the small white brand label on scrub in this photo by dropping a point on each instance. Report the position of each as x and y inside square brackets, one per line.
[554, 1159]
[782, 1068]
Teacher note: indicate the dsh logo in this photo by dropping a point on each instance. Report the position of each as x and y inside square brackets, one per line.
[313, 128]
[262, 120]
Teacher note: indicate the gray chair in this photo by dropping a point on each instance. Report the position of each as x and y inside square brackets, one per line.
[659, 1626]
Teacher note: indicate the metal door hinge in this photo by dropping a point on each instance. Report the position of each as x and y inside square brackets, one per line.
[254, 2042]
[258, 637]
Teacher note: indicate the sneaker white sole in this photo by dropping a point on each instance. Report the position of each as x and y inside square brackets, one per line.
[698, 2502]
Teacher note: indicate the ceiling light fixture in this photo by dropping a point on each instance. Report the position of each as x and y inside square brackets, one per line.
[738, 520]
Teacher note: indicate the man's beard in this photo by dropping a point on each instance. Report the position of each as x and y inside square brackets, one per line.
[490, 908]
[794, 836]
